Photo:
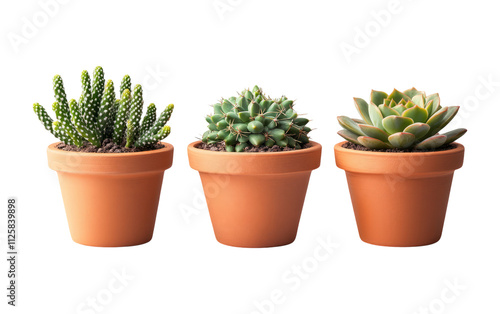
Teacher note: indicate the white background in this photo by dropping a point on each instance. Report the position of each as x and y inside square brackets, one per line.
[287, 47]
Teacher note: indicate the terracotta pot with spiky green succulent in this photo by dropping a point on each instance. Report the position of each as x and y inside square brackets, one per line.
[255, 161]
[110, 165]
[399, 166]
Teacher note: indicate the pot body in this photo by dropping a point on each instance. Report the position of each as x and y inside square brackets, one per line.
[399, 199]
[255, 199]
[111, 200]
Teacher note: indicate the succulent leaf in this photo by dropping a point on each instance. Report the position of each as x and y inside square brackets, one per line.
[433, 107]
[395, 124]
[350, 136]
[399, 108]
[397, 96]
[377, 97]
[376, 116]
[416, 113]
[418, 129]
[348, 124]
[454, 135]
[432, 142]
[449, 115]
[362, 107]
[373, 131]
[372, 143]
[413, 92]
[419, 100]
[402, 139]
[388, 111]
[436, 120]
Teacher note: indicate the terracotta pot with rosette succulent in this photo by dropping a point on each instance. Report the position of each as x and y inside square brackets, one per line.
[394, 154]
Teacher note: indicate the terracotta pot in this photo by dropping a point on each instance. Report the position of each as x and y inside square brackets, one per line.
[255, 199]
[111, 199]
[399, 199]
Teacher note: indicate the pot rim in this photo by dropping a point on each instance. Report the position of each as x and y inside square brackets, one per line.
[385, 162]
[459, 146]
[235, 163]
[110, 163]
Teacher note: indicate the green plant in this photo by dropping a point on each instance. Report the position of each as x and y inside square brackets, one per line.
[400, 120]
[98, 115]
[254, 119]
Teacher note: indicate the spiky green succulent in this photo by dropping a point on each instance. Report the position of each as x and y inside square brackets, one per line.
[254, 119]
[98, 115]
[404, 120]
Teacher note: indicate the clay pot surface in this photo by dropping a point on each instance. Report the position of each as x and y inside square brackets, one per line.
[399, 199]
[255, 199]
[111, 199]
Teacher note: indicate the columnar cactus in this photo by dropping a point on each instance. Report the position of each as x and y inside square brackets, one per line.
[404, 120]
[254, 119]
[98, 115]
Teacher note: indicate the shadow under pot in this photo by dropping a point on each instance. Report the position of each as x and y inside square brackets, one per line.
[111, 199]
[399, 199]
[255, 199]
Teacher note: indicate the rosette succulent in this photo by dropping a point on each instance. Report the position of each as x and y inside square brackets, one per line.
[254, 119]
[98, 115]
[403, 120]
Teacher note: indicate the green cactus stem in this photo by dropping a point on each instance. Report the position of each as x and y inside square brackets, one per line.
[86, 100]
[88, 133]
[97, 92]
[157, 127]
[121, 117]
[62, 113]
[106, 109]
[47, 122]
[153, 138]
[57, 127]
[125, 84]
[148, 120]
[135, 116]
[66, 126]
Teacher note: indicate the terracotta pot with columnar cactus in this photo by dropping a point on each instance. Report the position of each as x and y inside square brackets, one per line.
[394, 152]
[110, 165]
[255, 161]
